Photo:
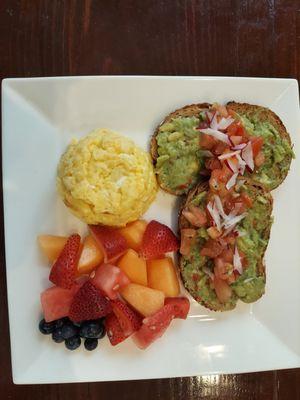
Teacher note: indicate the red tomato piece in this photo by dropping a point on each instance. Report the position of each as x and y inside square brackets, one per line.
[223, 290]
[207, 142]
[257, 143]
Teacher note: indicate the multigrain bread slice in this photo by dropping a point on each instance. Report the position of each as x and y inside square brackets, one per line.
[277, 148]
[250, 285]
[188, 111]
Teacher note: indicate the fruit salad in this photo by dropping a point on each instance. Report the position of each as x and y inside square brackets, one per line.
[119, 282]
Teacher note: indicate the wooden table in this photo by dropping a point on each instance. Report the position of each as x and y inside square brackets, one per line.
[164, 37]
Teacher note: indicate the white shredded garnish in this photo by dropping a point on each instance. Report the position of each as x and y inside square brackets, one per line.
[216, 134]
[233, 221]
[237, 263]
[228, 155]
[231, 182]
[219, 206]
[215, 214]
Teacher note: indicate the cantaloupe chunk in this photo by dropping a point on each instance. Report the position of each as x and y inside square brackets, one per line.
[162, 276]
[51, 245]
[91, 256]
[133, 233]
[134, 267]
[145, 300]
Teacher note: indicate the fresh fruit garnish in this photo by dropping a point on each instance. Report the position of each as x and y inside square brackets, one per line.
[134, 267]
[158, 239]
[46, 327]
[63, 271]
[73, 343]
[90, 257]
[154, 327]
[110, 241]
[133, 233]
[114, 331]
[89, 303]
[51, 245]
[162, 276]
[90, 344]
[92, 329]
[145, 300]
[181, 306]
[129, 320]
[56, 302]
[110, 279]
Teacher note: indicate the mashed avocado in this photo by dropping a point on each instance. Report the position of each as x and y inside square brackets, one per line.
[180, 158]
[277, 150]
[254, 230]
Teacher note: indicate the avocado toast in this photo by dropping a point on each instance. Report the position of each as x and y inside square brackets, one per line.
[277, 148]
[175, 149]
[221, 258]
[186, 145]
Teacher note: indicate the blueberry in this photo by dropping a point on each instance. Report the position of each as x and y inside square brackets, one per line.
[73, 343]
[78, 324]
[92, 330]
[46, 327]
[57, 335]
[60, 322]
[69, 330]
[90, 344]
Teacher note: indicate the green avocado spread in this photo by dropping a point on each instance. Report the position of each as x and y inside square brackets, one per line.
[277, 151]
[254, 230]
[180, 158]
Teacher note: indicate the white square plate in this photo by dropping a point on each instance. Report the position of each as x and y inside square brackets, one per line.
[40, 116]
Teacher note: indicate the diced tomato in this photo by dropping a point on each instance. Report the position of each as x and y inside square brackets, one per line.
[223, 290]
[236, 140]
[244, 260]
[212, 248]
[259, 159]
[195, 216]
[257, 143]
[218, 180]
[109, 279]
[187, 237]
[246, 200]
[227, 255]
[207, 142]
[220, 148]
[181, 306]
[154, 327]
[236, 129]
[213, 163]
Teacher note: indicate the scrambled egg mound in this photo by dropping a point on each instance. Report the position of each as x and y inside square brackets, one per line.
[105, 179]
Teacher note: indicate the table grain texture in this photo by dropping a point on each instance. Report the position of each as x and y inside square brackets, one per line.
[163, 37]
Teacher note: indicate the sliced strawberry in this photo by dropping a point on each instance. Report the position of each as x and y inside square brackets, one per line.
[158, 239]
[154, 327]
[111, 242]
[181, 306]
[89, 303]
[109, 279]
[63, 271]
[128, 319]
[114, 331]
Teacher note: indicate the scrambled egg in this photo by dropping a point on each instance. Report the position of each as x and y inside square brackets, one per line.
[105, 179]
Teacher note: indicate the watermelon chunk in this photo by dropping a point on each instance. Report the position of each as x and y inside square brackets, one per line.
[56, 302]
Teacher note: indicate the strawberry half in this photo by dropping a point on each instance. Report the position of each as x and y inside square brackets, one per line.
[63, 271]
[158, 239]
[89, 303]
[110, 241]
[128, 319]
[114, 331]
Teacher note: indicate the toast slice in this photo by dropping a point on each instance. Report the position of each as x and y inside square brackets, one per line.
[255, 227]
[186, 176]
[277, 148]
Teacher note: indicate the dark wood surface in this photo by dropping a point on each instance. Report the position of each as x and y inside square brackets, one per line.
[165, 37]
